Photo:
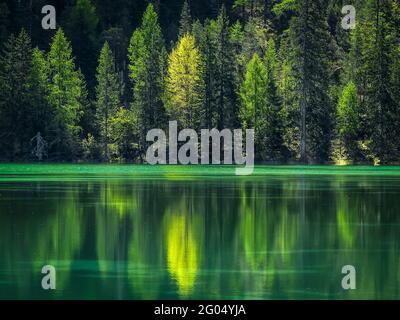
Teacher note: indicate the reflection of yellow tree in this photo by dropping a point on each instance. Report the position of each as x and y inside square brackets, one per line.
[346, 207]
[184, 234]
[253, 230]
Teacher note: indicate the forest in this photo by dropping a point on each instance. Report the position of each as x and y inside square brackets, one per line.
[90, 90]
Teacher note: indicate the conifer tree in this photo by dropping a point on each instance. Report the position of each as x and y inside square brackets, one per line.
[38, 93]
[184, 96]
[289, 99]
[108, 92]
[261, 106]
[221, 98]
[237, 39]
[64, 92]
[87, 122]
[310, 42]
[376, 43]
[147, 57]
[222, 86]
[273, 147]
[253, 94]
[15, 122]
[202, 35]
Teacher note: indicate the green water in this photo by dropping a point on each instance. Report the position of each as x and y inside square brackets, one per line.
[141, 232]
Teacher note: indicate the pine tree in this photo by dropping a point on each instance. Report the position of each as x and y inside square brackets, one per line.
[273, 145]
[64, 92]
[376, 43]
[222, 86]
[261, 106]
[239, 65]
[217, 49]
[118, 43]
[147, 57]
[253, 94]
[287, 85]
[184, 96]
[202, 35]
[15, 121]
[108, 92]
[311, 42]
[38, 93]
[88, 123]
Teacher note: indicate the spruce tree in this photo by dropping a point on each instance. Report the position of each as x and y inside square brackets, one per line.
[64, 92]
[202, 35]
[253, 95]
[38, 93]
[273, 146]
[15, 105]
[108, 92]
[310, 42]
[222, 86]
[88, 123]
[218, 51]
[147, 57]
[261, 106]
[287, 85]
[377, 45]
[237, 39]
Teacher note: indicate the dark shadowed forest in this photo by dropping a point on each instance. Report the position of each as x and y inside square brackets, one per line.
[313, 91]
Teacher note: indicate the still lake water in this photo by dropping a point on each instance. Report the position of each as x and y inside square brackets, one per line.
[140, 232]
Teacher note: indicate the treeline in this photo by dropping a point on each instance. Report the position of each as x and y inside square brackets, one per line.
[312, 91]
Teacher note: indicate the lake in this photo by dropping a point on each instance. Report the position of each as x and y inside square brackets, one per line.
[173, 232]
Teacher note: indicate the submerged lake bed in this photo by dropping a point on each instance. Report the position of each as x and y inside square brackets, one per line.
[199, 232]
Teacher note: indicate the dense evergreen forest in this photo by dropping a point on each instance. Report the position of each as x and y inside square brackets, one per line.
[112, 70]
